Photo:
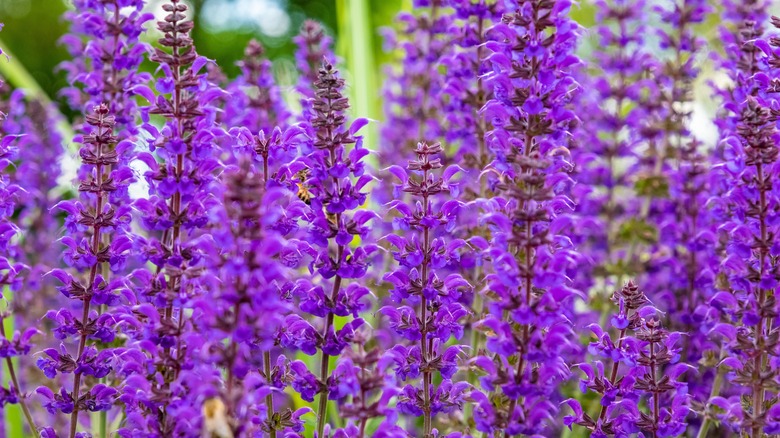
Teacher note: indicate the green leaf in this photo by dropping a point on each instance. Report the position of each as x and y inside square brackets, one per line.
[636, 230]
[654, 186]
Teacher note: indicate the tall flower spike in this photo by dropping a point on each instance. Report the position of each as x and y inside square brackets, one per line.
[614, 387]
[612, 94]
[741, 33]
[667, 212]
[363, 373]
[681, 259]
[667, 397]
[11, 275]
[106, 49]
[640, 357]
[180, 173]
[750, 265]
[97, 247]
[244, 305]
[465, 92]
[421, 250]
[335, 178]
[743, 27]
[36, 167]
[527, 326]
[256, 101]
[412, 93]
[603, 378]
[313, 45]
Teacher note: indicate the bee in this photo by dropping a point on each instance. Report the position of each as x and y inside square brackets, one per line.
[216, 423]
[303, 191]
[332, 219]
[305, 195]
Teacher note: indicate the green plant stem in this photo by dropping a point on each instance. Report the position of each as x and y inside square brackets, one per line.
[427, 377]
[104, 424]
[269, 399]
[12, 376]
[322, 409]
[716, 385]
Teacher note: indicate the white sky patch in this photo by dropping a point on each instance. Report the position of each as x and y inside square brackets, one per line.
[69, 167]
[702, 126]
[266, 16]
[140, 188]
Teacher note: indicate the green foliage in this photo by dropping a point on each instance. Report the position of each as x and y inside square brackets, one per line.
[636, 230]
[32, 31]
[652, 186]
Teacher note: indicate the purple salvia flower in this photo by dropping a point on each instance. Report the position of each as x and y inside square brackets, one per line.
[749, 265]
[532, 52]
[37, 166]
[610, 140]
[256, 102]
[743, 28]
[11, 275]
[466, 90]
[97, 246]
[681, 279]
[244, 303]
[313, 45]
[673, 181]
[412, 94]
[276, 151]
[741, 35]
[365, 380]
[670, 158]
[335, 180]
[421, 251]
[601, 377]
[180, 174]
[643, 358]
[412, 91]
[667, 398]
[107, 52]
[466, 65]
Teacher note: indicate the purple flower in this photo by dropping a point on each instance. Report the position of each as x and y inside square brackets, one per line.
[256, 101]
[86, 251]
[182, 166]
[533, 87]
[304, 382]
[418, 256]
[313, 45]
[746, 166]
[333, 180]
[106, 49]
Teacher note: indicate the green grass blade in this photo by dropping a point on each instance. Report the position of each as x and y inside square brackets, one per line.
[356, 46]
[16, 75]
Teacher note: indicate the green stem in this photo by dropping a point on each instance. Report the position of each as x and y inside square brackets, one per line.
[13, 422]
[103, 424]
[716, 385]
[269, 399]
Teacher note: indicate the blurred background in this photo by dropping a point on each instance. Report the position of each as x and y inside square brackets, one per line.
[33, 29]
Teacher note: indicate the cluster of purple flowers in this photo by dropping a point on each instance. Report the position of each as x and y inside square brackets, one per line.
[539, 213]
